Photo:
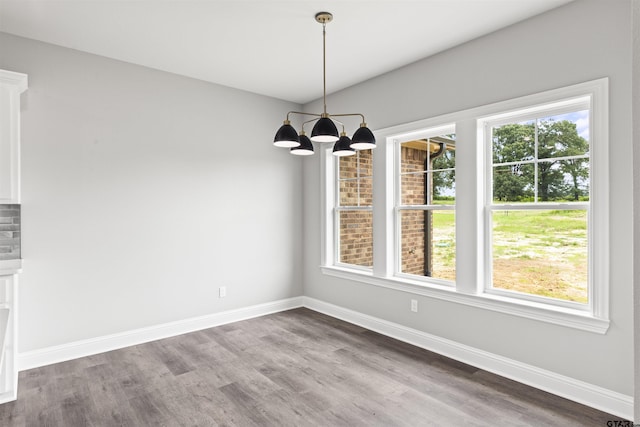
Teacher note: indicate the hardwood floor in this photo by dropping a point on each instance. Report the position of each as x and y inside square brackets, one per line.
[297, 368]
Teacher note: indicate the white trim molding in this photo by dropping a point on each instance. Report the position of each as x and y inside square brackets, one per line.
[11, 86]
[88, 347]
[579, 391]
[19, 80]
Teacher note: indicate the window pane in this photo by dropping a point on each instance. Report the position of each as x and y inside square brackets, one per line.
[366, 192]
[413, 155]
[355, 192]
[413, 189]
[576, 179]
[514, 142]
[365, 160]
[361, 164]
[348, 166]
[563, 135]
[563, 180]
[513, 183]
[356, 238]
[428, 243]
[545, 160]
[447, 160]
[428, 171]
[349, 192]
[550, 183]
[542, 252]
[443, 187]
[355, 179]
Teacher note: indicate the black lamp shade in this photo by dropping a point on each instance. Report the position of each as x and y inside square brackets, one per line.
[363, 139]
[305, 148]
[324, 131]
[286, 137]
[343, 147]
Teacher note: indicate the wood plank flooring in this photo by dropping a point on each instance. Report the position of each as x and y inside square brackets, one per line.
[295, 368]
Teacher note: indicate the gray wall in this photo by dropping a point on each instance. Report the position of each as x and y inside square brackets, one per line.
[581, 41]
[143, 192]
[137, 205]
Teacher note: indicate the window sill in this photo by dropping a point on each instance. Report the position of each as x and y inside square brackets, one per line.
[545, 313]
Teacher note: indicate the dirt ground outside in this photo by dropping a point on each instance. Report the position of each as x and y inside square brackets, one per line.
[535, 252]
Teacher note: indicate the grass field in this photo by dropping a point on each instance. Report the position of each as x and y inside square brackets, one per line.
[536, 252]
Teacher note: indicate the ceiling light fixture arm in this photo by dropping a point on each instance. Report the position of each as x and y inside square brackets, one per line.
[364, 122]
[325, 115]
[304, 123]
[313, 120]
[303, 114]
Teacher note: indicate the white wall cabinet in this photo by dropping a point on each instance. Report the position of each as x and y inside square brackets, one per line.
[11, 86]
[8, 341]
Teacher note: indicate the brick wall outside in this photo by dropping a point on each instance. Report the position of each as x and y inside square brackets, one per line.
[9, 232]
[356, 238]
[356, 232]
[412, 222]
[356, 226]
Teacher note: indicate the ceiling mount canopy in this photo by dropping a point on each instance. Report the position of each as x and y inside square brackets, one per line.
[324, 17]
[324, 128]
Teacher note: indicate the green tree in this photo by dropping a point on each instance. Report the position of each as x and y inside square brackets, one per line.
[563, 135]
[557, 179]
[443, 182]
[513, 143]
[509, 185]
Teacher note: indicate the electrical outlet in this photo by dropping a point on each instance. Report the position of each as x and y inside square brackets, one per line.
[222, 291]
[414, 305]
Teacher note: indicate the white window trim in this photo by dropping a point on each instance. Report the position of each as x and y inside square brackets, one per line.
[470, 213]
[429, 132]
[529, 114]
[330, 252]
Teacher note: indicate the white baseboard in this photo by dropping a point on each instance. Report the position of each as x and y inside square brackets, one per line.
[74, 350]
[8, 396]
[570, 388]
[579, 391]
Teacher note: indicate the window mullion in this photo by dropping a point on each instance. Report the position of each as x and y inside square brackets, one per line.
[535, 162]
[383, 202]
[468, 207]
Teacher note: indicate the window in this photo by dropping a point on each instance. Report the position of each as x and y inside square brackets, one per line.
[353, 212]
[538, 203]
[425, 203]
[502, 207]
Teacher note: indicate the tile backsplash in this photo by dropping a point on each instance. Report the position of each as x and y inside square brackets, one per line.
[9, 232]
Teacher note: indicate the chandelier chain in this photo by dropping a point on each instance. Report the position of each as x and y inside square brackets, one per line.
[324, 66]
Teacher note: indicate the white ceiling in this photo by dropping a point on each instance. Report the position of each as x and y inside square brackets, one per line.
[268, 47]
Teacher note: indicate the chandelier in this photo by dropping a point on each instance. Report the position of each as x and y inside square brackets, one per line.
[324, 129]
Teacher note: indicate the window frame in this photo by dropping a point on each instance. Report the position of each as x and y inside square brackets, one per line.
[471, 212]
[570, 105]
[338, 208]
